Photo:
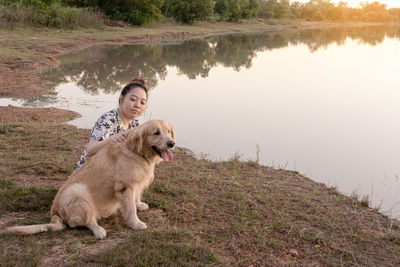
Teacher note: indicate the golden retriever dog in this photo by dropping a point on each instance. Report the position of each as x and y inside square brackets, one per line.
[111, 180]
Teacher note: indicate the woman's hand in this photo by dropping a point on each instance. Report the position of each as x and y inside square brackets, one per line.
[95, 146]
[119, 138]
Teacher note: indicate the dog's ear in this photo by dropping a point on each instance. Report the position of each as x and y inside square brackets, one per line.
[135, 139]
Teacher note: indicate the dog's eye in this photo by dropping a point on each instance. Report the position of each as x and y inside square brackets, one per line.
[157, 133]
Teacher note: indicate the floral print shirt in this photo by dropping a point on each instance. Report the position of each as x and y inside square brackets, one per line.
[107, 125]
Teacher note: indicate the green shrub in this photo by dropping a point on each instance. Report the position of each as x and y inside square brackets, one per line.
[137, 12]
[234, 10]
[189, 11]
[54, 15]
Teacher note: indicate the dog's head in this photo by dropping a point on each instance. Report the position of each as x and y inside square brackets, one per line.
[154, 138]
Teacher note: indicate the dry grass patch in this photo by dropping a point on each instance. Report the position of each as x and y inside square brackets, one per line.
[150, 248]
[13, 198]
[36, 150]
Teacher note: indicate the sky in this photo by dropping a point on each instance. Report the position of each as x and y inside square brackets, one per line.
[355, 3]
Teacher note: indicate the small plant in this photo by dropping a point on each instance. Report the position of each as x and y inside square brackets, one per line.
[365, 201]
[90, 241]
[258, 151]
[72, 247]
[236, 157]
[4, 128]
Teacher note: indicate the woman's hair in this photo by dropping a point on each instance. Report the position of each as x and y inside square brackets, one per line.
[136, 82]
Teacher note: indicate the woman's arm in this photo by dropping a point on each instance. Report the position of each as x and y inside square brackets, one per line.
[94, 146]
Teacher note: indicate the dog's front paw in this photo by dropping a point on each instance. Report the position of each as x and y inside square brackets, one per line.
[141, 206]
[139, 225]
[100, 232]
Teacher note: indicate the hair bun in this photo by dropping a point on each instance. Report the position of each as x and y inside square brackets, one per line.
[137, 80]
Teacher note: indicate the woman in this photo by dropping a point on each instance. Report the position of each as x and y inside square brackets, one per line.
[112, 125]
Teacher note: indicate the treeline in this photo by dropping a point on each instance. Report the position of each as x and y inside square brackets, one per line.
[58, 13]
[325, 10]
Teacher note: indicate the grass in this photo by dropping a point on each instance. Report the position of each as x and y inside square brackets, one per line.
[13, 198]
[149, 248]
[13, 255]
[21, 141]
[201, 212]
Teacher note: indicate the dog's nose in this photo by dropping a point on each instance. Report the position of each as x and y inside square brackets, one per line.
[170, 144]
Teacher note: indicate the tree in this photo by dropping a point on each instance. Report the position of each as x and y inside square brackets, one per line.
[281, 9]
[340, 12]
[189, 11]
[233, 10]
[250, 9]
[295, 10]
[275, 9]
[222, 8]
[137, 12]
[266, 10]
[374, 12]
[394, 14]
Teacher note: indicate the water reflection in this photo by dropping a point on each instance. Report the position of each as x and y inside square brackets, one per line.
[106, 69]
[38, 101]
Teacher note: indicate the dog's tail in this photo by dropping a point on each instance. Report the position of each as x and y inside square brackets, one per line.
[56, 225]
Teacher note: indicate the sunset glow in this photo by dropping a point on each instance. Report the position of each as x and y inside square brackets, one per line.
[356, 3]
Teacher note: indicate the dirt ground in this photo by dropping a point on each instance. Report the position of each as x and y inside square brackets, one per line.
[15, 114]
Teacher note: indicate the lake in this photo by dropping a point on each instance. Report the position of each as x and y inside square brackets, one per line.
[323, 102]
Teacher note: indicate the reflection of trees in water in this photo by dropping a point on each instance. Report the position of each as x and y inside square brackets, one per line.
[235, 51]
[192, 58]
[39, 101]
[108, 69]
[320, 38]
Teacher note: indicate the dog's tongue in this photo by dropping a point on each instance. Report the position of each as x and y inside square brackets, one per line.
[167, 155]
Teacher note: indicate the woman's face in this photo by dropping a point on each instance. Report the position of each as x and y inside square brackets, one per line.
[133, 104]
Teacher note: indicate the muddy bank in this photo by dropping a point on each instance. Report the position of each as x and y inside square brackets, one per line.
[11, 114]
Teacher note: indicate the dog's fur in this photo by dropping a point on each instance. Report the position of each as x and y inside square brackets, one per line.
[113, 179]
